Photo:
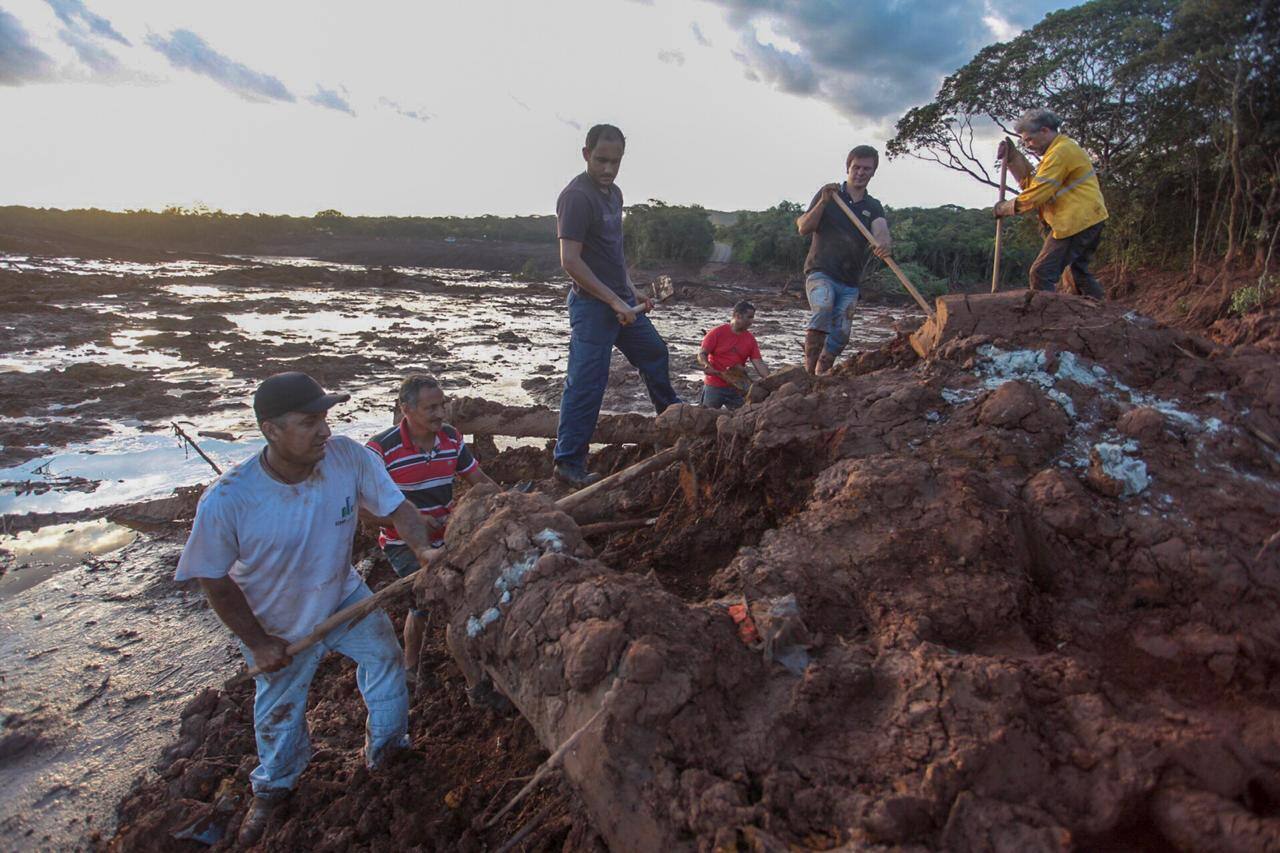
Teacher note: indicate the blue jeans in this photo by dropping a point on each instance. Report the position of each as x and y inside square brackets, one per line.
[715, 397]
[595, 331]
[280, 699]
[831, 302]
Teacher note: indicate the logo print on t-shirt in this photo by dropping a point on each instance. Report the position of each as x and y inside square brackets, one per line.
[347, 509]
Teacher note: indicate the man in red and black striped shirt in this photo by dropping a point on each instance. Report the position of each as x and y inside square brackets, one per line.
[422, 454]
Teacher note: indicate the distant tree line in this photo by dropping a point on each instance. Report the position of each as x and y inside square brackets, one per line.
[199, 228]
[1177, 101]
[939, 248]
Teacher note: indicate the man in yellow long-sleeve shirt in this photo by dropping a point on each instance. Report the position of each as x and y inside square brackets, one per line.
[1064, 189]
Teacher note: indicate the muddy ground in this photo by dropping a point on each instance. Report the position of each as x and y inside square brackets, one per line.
[1035, 575]
[99, 355]
[1036, 580]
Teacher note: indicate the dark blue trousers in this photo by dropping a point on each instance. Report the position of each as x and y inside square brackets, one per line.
[595, 331]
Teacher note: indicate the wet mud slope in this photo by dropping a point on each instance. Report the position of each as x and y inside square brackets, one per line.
[1008, 584]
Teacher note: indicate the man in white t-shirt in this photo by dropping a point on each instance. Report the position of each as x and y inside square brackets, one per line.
[271, 547]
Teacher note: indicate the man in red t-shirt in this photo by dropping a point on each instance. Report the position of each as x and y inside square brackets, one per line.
[724, 351]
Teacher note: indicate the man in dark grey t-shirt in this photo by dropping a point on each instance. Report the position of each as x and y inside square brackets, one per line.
[605, 310]
[837, 255]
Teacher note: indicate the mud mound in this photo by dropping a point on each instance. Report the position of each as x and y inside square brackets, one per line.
[1009, 583]
[1032, 609]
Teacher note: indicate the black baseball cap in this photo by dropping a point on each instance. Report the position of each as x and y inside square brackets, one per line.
[292, 392]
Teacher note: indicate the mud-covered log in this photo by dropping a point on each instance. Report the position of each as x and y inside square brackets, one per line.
[557, 631]
[476, 416]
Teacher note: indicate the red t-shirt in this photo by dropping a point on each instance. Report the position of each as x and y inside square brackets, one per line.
[726, 348]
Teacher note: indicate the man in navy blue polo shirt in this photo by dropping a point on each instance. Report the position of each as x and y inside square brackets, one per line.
[837, 256]
[605, 310]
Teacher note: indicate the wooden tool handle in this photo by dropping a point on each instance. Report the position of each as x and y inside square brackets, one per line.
[995, 264]
[893, 265]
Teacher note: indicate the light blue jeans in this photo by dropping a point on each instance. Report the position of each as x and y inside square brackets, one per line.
[280, 700]
[831, 302]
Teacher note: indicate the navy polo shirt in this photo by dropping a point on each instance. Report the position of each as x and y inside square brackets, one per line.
[838, 247]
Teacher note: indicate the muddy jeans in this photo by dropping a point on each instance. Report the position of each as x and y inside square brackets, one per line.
[280, 700]
[1071, 256]
[595, 331]
[831, 302]
[715, 397]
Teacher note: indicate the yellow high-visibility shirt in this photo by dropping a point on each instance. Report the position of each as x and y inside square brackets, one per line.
[1065, 189]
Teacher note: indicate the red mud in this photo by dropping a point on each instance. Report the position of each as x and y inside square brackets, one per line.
[1016, 642]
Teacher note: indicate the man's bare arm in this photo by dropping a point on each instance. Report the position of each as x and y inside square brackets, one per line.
[761, 367]
[477, 477]
[572, 263]
[705, 363]
[884, 243]
[228, 601]
[414, 528]
[808, 222]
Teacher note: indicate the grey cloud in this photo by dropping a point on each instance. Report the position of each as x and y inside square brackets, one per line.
[789, 72]
[574, 124]
[671, 57]
[20, 60]
[332, 99]
[100, 60]
[186, 50]
[416, 115]
[698, 36]
[78, 18]
[870, 61]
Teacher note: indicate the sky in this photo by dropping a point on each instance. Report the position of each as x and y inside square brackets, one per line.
[466, 108]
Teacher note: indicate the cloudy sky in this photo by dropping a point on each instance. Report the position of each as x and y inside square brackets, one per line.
[470, 107]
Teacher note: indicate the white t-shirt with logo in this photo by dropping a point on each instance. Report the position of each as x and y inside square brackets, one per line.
[288, 547]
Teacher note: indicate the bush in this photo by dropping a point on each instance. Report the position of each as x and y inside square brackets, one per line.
[658, 231]
[1252, 297]
[881, 279]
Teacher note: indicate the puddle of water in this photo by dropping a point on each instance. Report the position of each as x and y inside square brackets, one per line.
[100, 266]
[36, 556]
[137, 462]
[125, 353]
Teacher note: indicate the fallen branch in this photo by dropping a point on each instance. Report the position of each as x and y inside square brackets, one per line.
[656, 462]
[191, 441]
[603, 527]
[551, 763]
[526, 830]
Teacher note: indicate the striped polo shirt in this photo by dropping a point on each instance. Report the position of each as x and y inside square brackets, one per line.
[426, 478]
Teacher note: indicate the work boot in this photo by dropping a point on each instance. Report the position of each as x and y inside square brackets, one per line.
[575, 474]
[826, 362]
[256, 819]
[814, 341]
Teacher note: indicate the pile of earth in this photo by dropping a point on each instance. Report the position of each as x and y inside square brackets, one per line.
[1011, 583]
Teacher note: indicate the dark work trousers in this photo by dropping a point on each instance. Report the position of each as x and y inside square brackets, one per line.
[1070, 256]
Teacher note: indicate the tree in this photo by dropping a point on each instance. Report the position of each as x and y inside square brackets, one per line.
[1176, 102]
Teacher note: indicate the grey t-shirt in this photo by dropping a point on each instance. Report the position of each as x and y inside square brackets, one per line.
[593, 218]
[838, 247]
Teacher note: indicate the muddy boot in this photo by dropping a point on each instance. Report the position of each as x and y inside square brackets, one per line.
[826, 362]
[814, 341]
[575, 474]
[256, 819]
